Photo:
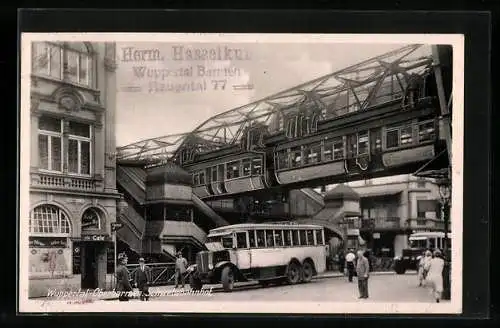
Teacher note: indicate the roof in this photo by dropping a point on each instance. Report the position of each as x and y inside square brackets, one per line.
[342, 191]
[244, 226]
[168, 173]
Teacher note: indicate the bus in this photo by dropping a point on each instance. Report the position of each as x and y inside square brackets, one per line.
[264, 252]
[419, 242]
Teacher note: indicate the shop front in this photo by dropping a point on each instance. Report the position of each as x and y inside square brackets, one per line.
[93, 260]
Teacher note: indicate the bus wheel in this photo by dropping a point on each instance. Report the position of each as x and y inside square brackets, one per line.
[307, 271]
[227, 278]
[195, 283]
[293, 273]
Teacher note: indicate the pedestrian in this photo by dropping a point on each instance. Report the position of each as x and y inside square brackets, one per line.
[435, 274]
[123, 286]
[142, 279]
[363, 272]
[423, 267]
[180, 269]
[349, 261]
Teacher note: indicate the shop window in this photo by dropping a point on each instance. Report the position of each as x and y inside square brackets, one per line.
[91, 220]
[49, 244]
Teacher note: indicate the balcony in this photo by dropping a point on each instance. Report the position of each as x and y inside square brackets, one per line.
[180, 229]
[424, 224]
[64, 182]
[388, 223]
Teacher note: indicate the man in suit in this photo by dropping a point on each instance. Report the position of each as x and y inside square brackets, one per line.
[180, 268]
[362, 271]
[142, 279]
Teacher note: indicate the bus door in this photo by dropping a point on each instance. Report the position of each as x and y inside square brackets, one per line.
[243, 253]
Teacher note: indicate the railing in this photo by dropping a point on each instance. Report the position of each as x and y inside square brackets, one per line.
[381, 223]
[57, 181]
[161, 273]
[424, 223]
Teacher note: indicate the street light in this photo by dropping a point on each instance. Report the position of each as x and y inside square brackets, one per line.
[445, 195]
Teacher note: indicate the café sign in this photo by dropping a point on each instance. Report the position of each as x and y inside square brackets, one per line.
[96, 238]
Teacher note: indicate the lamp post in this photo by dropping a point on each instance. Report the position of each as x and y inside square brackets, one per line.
[445, 195]
[120, 208]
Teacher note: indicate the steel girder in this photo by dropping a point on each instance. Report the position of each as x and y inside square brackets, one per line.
[352, 88]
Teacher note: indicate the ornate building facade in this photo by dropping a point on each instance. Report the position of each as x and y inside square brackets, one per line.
[73, 196]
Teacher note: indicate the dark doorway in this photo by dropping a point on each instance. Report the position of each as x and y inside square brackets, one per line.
[89, 272]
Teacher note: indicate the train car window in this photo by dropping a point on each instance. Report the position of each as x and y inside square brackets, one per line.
[304, 125]
[246, 163]
[196, 179]
[256, 166]
[392, 138]
[278, 238]
[214, 174]
[282, 159]
[328, 151]
[363, 143]
[241, 240]
[220, 173]
[313, 154]
[295, 237]
[202, 178]
[352, 146]
[233, 170]
[432, 243]
[269, 238]
[302, 237]
[406, 135]
[310, 237]
[338, 149]
[261, 241]
[426, 131]
[296, 156]
[251, 238]
[319, 237]
[287, 237]
[376, 140]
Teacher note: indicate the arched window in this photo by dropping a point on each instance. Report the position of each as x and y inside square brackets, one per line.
[91, 220]
[49, 219]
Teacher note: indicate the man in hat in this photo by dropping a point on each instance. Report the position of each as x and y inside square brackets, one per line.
[123, 287]
[349, 261]
[362, 271]
[142, 279]
[180, 268]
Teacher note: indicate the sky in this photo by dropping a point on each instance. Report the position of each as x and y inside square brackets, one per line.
[149, 105]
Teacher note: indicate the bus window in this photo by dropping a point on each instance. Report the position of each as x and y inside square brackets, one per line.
[432, 243]
[295, 237]
[319, 237]
[302, 237]
[241, 240]
[251, 238]
[227, 242]
[439, 243]
[261, 241]
[288, 237]
[269, 238]
[278, 237]
[310, 237]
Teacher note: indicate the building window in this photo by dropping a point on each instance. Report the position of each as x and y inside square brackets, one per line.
[49, 219]
[91, 220]
[79, 148]
[73, 59]
[50, 143]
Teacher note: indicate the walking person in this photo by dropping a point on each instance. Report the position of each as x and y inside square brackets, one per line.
[349, 261]
[363, 273]
[423, 267]
[142, 279]
[123, 286]
[435, 274]
[180, 269]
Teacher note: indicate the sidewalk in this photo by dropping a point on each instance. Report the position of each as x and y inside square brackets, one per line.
[166, 290]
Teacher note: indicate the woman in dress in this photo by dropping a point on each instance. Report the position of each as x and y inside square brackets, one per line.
[423, 267]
